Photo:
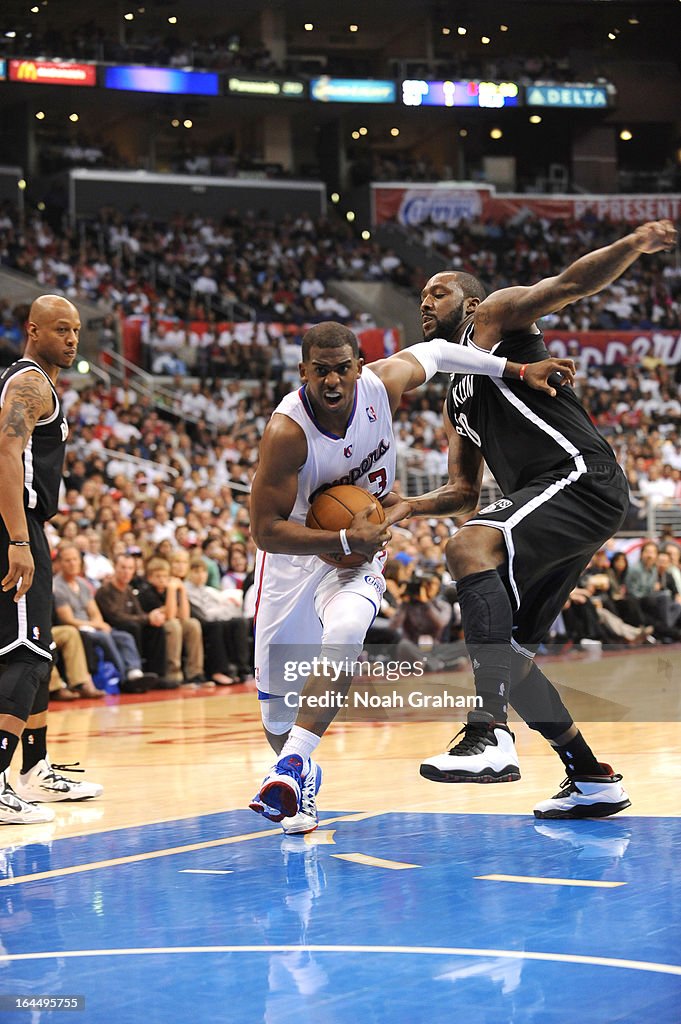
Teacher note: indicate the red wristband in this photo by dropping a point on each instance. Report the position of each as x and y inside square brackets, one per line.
[521, 375]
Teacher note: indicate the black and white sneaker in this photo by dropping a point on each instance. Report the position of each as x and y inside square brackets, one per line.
[586, 796]
[14, 810]
[486, 753]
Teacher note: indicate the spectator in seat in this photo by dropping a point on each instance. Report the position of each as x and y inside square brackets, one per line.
[225, 630]
[74, 605]
[184, 640]
[119, 605]
[73, 661]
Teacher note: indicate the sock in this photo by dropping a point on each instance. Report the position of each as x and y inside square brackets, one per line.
[487, 620]
[8, 744]
[300, 741]
[33, 747]
[578, 757]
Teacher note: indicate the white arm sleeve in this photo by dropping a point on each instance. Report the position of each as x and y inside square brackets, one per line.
[439, 355]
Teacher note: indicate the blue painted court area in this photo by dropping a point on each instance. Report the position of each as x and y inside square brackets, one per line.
[378, 919]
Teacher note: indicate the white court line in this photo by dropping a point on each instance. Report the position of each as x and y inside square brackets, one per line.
[510, 954]
[205, 871]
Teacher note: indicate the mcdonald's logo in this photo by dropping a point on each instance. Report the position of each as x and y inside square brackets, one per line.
[52, 72]
[27, 71]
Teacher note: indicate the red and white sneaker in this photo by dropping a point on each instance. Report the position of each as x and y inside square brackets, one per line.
[586, 796]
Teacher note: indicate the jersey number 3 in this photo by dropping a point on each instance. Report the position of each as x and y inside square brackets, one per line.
[381, 476]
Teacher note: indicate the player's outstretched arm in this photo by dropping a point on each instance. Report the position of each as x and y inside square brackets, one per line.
[409, 368]
[518, 308]
[283, 451]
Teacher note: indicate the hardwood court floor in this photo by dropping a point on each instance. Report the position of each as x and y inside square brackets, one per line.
[168, 901]
[199, 751]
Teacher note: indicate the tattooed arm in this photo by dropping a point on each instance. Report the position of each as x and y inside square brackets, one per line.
[28, 399]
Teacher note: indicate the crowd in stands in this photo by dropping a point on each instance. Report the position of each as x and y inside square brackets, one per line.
[161, 501]
[254, 266]
[155, 500]
[527, 248]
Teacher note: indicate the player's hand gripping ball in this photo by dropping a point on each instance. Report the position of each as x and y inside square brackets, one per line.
[335, 509]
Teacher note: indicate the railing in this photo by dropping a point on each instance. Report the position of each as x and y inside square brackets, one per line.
[646, 517]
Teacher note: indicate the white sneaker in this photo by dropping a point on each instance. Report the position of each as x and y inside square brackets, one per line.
[485, 754]
[307, 819]
[15, 811]
[586, 796]
[44, 784]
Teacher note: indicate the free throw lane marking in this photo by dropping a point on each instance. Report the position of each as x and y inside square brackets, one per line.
[375, 862]
[153, 854]
[321, 837]
[531, 880]
[509, 954]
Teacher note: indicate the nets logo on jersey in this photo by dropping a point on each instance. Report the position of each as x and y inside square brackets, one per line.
[496, 506]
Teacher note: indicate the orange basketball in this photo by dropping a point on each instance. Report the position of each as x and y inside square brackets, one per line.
[335, 509]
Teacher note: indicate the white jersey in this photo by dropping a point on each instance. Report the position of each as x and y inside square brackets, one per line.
[365, 456]
[296, 595]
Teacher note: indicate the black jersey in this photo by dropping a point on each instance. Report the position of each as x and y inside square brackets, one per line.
[522, 432]
[44, 454]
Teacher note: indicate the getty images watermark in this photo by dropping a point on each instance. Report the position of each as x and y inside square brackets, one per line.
[361, 690]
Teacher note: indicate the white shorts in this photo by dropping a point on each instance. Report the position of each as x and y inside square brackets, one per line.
[294, 594]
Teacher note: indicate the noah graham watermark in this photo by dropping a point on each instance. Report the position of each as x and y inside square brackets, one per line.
[359, 699]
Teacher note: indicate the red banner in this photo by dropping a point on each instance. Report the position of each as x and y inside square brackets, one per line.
[609, 347]
[446, 204]
[49, 72]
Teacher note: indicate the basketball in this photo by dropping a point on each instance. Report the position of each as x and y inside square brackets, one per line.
[335, 509]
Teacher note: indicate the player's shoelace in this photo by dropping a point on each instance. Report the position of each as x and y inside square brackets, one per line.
[307, 796]
[68, 767]
[569, 786]
[476, 737]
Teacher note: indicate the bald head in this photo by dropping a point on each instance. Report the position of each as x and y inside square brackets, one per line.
[49, 307]
[53, 331]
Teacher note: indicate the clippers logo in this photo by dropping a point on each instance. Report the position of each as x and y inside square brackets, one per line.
[496, 506]
[376, 583]
[347, 451]
[371, 414]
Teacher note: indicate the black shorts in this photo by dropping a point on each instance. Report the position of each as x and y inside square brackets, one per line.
[28, 622]
[552, 528]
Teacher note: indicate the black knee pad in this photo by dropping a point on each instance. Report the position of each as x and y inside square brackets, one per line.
[24, 684]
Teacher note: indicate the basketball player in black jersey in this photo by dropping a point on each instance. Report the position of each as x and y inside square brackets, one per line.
[33, 435]
[517, 560]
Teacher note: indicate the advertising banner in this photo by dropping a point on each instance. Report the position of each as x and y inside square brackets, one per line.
[447, 203]
[268, 87]
[51, 72]
[164, 80]
[609, 347]
[352, 90]
[466, 93]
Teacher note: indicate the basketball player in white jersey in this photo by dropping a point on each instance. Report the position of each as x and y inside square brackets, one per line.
[336, 429]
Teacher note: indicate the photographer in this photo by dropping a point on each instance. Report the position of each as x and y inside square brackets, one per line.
[424, 617]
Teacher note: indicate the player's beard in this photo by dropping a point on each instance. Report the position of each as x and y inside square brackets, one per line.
[447, 326]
